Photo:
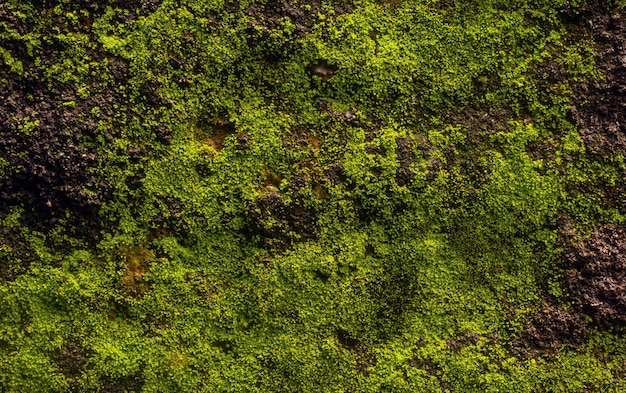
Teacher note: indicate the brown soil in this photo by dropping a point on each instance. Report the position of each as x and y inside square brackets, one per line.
[47, 141]
[405, 156]
[302, 15]
[363, 359]
[457, 343]
[289, 18]
[20, 256]
[71, 360]
[595, 267]
[49, 134]
[279, 221]
[215, 133]
[550, 328]
[599, 107]
[50, 163]
[126, 384]
[596, 275]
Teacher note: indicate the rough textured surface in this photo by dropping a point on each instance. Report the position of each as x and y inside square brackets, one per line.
[46, 143]
[17, 255]
[275, 26]
[209, 196]
[72, 359]
[600, 106]
[596, 275]
[278, 222]
[551, 328]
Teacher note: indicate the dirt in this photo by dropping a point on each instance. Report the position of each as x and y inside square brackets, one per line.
[49, 149]
[478, 125]
[71, 360]
[325, 71]
[278, 221]
[18, 259]
[405, 156]
[336, 173]
[215, 133]
[301, 15]
[287, 19]
[47, 140]
[595, 281]
[457, 343]
[126, 384]
[596, 275]
[550, 328]
[49, 133]
[302, 137]
[364, 360]
[599, 107]
[136, 263]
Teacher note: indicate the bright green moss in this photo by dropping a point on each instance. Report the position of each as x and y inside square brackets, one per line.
[416, 283]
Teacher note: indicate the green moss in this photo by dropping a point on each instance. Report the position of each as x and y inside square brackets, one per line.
[433, 159]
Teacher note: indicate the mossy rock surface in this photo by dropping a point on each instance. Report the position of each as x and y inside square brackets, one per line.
[312, 196]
